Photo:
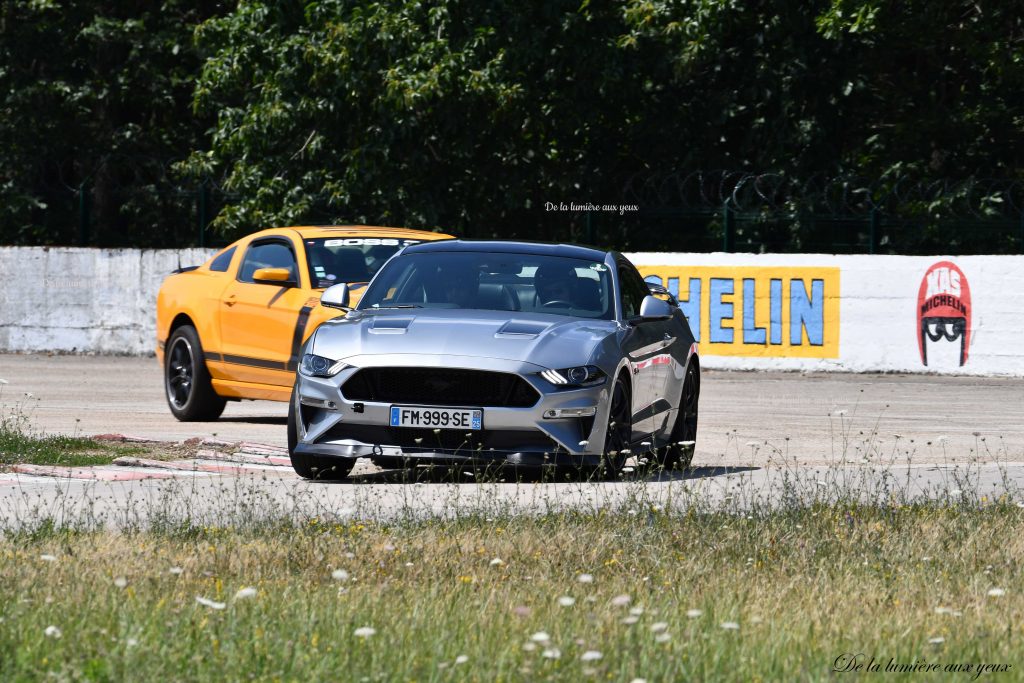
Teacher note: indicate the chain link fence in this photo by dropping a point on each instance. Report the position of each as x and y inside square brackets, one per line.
[143, 202]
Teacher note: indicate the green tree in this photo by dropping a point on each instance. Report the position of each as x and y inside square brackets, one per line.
[96, 94]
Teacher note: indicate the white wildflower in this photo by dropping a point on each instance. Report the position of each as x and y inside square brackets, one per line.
[938, 640]
[121, 582]
[48, 558]
[996, 592]
[659, 626]
[212, 604]
[636, 611]
[591, 656]
[662, 638]
[694, 613]
[497, 562]
[551, 653]
[585, 578]
[730, 626]
[621, 600]
[244, 593]
[630, 620]
[566, 601]
[175, 571]
[540, 637]
[364, 632]
[461, 659]
[340, 575]
[52, 632]
[529, 647]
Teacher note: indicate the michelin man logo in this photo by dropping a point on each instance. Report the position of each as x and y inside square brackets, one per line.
[944, 316]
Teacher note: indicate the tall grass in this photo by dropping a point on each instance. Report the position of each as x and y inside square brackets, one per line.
[662, 596]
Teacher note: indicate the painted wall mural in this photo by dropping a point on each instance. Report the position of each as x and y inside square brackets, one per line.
[757, 311]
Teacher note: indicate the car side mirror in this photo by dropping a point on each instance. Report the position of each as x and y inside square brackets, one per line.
[273, 276]
[336, 296]
[659, 290]
[652, 308]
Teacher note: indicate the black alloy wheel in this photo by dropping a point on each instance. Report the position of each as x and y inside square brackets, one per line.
[620, 429]
[187, 384]
[677, 454]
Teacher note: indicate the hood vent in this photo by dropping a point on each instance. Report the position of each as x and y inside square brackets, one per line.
[520, 328]
[389, 325]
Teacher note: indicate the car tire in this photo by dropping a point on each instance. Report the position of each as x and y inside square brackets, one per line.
[677, 454]
[619, 430]
[187, 384]
[312, 466]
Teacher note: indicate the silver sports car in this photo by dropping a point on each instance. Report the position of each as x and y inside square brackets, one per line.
[518, 352]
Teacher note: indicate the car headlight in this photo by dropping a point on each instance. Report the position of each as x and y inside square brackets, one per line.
[579, 376]
[318, 366]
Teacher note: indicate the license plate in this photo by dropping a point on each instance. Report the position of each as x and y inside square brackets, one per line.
[436, 418]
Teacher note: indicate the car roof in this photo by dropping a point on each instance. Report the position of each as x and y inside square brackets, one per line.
[315, 231]
[510, 247]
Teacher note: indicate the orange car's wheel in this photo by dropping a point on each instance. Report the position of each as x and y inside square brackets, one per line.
[190, 394]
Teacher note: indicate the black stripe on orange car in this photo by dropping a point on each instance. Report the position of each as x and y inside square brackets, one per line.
[300, 330]
[247, 360]
[293, 361]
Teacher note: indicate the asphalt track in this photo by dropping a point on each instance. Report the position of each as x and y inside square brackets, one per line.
[833, 431]
[746, 418]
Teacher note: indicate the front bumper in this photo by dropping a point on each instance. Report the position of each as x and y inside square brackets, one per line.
[329, 424]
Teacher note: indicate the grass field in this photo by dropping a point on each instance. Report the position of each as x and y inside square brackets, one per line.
[20, 444]
[613, 595]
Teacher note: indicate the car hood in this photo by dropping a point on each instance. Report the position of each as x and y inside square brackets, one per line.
[547, 340]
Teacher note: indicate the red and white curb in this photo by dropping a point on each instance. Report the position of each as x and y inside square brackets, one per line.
[249, 458]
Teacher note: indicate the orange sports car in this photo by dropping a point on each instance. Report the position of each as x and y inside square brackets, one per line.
[233, 327]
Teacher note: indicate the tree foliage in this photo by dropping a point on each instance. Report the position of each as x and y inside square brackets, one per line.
[96, 94]
[471, 116]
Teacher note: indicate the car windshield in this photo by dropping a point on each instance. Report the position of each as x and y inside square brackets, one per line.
[333, 260]
[494, 282]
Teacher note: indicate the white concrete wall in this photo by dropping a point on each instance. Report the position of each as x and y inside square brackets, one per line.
[803, 311]
[871, 312]
[84, 300]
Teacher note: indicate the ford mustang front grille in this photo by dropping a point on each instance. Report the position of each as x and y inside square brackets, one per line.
[440, 387]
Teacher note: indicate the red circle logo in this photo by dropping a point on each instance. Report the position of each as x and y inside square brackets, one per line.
[944, 309]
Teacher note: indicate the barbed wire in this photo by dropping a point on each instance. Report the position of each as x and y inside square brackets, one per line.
[701, 191]
[742, 191]
[122, 172]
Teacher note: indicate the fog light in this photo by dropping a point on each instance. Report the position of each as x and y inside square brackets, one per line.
[569, 412]
[317, 403]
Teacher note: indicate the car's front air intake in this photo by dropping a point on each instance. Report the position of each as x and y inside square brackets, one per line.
[440, 387]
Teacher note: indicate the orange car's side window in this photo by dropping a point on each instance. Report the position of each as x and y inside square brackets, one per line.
[267, 255]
